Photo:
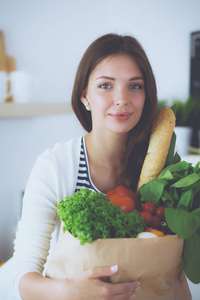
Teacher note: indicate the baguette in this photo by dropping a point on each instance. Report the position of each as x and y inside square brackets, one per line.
[158, 148]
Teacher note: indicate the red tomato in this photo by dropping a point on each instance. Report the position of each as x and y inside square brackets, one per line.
[147, 217]
[160, 212]
[128, 204]
[110, 193]
[126, 192]
[125, 203]
[115, 199]
[123, 191]
[149, 206]
[155, 222]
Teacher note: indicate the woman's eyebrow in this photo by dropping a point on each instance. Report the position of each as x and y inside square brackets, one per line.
[112, 78]
[136, 78]
[106, 77]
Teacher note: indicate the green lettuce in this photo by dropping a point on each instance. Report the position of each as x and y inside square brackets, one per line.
[89, 216]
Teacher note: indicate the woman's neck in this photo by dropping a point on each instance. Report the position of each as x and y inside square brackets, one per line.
[106, 156]
[106, 149]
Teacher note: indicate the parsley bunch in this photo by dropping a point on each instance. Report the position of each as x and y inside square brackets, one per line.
[89, 216]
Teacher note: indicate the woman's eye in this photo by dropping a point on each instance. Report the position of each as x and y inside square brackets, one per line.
[135, 86]
[105, 86]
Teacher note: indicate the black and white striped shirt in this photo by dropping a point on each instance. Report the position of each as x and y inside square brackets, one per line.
[83, 178]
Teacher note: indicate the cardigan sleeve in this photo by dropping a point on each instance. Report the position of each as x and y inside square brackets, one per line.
[52, 178]
[38, 219]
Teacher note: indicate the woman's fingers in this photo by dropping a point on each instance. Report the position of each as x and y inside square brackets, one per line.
[117, 290]
[120, 290]
[127, 287]
[102, 272]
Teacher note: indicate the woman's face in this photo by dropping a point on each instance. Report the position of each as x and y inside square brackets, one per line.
[116, 94]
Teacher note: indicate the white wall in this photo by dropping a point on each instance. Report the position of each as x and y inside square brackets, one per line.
[48, 38]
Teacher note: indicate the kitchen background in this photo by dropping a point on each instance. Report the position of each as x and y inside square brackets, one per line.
[47, 39]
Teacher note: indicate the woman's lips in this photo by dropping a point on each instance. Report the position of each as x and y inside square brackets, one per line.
[120, 116]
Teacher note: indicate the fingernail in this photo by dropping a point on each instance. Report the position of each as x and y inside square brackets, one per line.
[137, 289]
[133, 296]
[114, 268]
[138, 284]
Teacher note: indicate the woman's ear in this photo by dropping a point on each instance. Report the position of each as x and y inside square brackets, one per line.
[83, 97]
[84, 100]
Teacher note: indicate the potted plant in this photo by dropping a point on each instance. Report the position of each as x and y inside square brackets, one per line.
[187, 123]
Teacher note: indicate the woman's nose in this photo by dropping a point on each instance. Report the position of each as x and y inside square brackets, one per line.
[120, 98]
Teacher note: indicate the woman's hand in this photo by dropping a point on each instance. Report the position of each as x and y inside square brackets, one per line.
[90, 285]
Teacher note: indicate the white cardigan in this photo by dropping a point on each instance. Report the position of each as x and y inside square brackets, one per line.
[52, 179]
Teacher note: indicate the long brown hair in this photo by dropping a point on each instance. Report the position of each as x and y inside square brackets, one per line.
[137, 143]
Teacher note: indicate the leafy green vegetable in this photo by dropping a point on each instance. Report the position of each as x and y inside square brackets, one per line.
[89, 216]
[178, 189]
[186, 200]
[176, 186]
[196, 168]
[182, 222]
[171, 157]
[179, 167]
[191, 258]
[187, 181]
[153, 190]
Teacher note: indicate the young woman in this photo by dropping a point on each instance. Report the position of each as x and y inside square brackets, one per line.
[114, 98]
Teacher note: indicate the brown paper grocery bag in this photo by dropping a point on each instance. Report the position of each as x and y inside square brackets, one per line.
[155, 262]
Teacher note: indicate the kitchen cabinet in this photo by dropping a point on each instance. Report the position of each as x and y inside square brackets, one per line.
[15, 110]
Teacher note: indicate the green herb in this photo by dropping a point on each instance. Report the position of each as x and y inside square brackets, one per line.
[182, 222]
[89, 216]
[191, 257]
[178, 189]
[171, 157]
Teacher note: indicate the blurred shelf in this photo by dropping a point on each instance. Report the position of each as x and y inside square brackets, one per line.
[194, 159]
[14, 110]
